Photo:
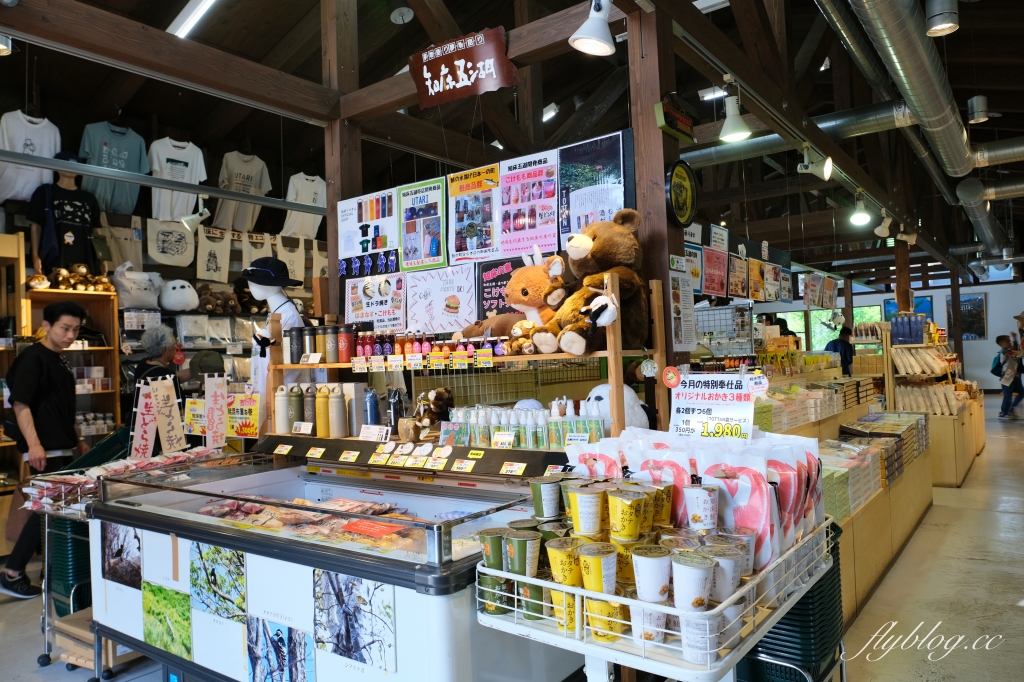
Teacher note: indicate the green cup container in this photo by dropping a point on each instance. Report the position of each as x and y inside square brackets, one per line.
[494, 602]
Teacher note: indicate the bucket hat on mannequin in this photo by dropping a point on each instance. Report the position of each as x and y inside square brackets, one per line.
[268, 272]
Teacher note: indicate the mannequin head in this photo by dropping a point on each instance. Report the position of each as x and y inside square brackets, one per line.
[262, 292]
[265, 277]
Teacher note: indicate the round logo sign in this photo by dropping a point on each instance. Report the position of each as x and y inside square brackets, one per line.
[681, 193]
[671, 376]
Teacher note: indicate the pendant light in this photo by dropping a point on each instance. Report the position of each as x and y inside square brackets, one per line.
[594, 37]
[735, 128]
[883, 229]
[861, 216]
[6, 47]
[942, 17]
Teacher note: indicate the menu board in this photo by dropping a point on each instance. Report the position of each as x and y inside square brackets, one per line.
[786, 287]
[716, 271]
[590, 183]
[442, 300]
[421, 208]
[528, 203]
[379, 299]
[471, 233]
[684, 323]
[367, 224]
[694, 257]
[737, 276]
[772, 281]
[755, 268]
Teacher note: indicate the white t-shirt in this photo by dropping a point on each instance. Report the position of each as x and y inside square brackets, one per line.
[246, 174]
[181, 161]
[304, 189]
[24, 135]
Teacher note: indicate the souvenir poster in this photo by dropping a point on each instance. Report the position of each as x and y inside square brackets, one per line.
[755, 268]
[590, 183]
[379, 299]
[737, 276]
[828, 293]
[812, 289]
[442, 300]
[529, 214]
[786, 286]
[471, 197]
[368, 224]
[716, 272]
[421, 206]
[684, 324]
[772, 277]
[694, 256]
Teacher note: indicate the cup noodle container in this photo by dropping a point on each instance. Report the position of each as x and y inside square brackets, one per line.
[652, 569]
[494, 595]
[700, 650]
[590, 537]
[564, 484]
[492, 544]
[701, 506]
[728, 570]
[625, 513]
[563, 605]
[648, 625]
[676, 544]
[534, 600]
[555, 529]
[692, 576]
[523, 552]
[547, 495]
[748, 535]
[732, 625]
[624, 563]
[734, 541]
[606, 618]
[647, 521]
[606, 487]
[565, 565]
[524, 524]
[664, 533]
[598, 564]
[662, 504]
[587, 504]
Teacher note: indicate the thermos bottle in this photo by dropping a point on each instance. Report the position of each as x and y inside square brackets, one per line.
[309, 404]
[323, 423]
[331, 344]
[294, 405]
[371, 408]
[294, 336]
[281, 423]
[336, 413]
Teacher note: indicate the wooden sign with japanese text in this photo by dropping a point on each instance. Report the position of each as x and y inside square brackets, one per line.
[216, 411]
[463, 67]
[168, 415]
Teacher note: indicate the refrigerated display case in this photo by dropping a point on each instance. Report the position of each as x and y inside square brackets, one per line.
[261, 566]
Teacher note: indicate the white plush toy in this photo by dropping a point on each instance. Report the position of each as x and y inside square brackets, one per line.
[635, 415]
[178, 295]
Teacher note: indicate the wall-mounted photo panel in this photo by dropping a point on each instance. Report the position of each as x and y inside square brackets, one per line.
[529, 203]
[591, 186]
[368, 224]
[472, 200]
[355, 619]
[422, 217]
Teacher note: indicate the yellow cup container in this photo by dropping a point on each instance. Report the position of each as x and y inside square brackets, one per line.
[625, 513]
[565, 564]
[564, 607]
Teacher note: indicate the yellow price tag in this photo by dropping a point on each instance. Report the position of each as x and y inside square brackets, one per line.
[416, 461]
[476, 454]
[396, 363]
[359, 365]
[397, 460]
[282, 449]
[513, 468]
[377, 363]
[484, 358]
[316, 453]
[349, 456]
[436, 463]
[379, 458]
[463, 466]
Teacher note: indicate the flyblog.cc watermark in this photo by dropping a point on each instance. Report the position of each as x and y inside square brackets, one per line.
[938, 645]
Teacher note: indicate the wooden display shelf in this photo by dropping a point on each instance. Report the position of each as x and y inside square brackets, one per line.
[61, 293]
[100, 392]
[497, 359]
[952, 447]
[920, 376]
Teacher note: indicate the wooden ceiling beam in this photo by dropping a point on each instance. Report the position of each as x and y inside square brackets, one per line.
[809, 77]
[770, 189]
[583, 120]
[758, 38]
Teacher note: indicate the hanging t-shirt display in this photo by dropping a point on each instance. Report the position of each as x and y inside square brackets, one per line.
[471, 233]
[75, 213]
[367, 224]
[304, 189]
[121, 149]
[24, 135]
[529, 214]
[422, 206]
[590, 183]
[246, 174]
[181, 161]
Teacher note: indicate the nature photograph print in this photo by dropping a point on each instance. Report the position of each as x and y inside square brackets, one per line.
[122, 554]
[278, 653]
[355, 618]
[167, 620]
[217, 579]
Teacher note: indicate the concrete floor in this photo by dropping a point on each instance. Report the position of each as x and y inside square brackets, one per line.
[963, 569]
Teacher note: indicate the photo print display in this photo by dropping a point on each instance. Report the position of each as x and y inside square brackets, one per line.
[529, 214]
[590, 183]
[354, 618]
[422, 208]
[471, 204]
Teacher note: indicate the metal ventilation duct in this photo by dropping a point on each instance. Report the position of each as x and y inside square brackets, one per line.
[990, 232]
[1011, 188]
[997, 152]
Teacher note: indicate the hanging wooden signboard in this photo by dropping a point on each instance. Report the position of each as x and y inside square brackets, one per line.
[464, 67]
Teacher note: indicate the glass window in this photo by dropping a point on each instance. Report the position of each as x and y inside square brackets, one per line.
[821, 335]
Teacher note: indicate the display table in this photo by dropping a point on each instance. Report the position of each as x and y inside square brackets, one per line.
[953, 446]
[829, 426]
[979, 423]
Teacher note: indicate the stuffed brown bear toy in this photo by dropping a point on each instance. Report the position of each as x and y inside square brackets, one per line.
[601, 247]
[439, 408]
[207, 302]
[231, 304]
[248, 304]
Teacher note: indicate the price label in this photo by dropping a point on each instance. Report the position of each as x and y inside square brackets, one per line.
[503, 440]
[414, 361]
[316, 453]
[757, 384]
[396, 363]
[425, 479]
[463, 466]
[476, 454]
[436, 463]
[513, 468]
[713, 406]
[397, 460]
[553, 469]
[377, 363]
[577, 438]
[484, 358]
[349, 456]
[233, 349]
[359, 365]
[436, 360]
[282, 449]
[379, 458]
[371, 432]
[720, 430]
[460, 360]
[302, 427]
[310, 359]
[415, 461]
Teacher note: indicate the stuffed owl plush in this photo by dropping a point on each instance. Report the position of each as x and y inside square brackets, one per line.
[178, 295]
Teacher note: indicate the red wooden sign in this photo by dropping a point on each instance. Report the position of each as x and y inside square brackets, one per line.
[464, 67]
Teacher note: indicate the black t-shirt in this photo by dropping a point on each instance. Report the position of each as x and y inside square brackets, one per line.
[43, 380]
[75, 214]
[146, 371]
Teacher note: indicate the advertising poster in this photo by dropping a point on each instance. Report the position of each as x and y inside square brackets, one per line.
[772, 281]
[755, 268]
[737, 276]
[471, 233]
[684, 324]
[243, 416]
[719, 238]
[491, 279]
[590, 183]
[714, 406]
[421, 206]
[786, 287]
[441, 300]
[828, 293]
[379, 299]
[716, 272]
[812, 289]
[529, 212]
[972, 316]
[922, 305]
[694, 257]
[367, 224]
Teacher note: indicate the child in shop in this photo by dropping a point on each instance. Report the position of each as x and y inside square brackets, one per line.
[1007, 363]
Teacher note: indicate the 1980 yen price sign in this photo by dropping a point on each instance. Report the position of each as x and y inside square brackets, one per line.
[714, 405]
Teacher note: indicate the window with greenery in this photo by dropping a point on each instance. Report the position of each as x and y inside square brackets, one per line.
[821, 335]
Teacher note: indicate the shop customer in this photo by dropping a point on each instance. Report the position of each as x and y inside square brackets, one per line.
[1009, 366]
[42, 393]
[843, 346]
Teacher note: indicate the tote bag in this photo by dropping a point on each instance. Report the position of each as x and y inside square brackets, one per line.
[255, 246]
[294, 257]
[214, 254]
[169, 243]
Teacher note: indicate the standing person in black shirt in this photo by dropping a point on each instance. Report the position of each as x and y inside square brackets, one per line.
[42, 393]
[845, 349]
[63, 218]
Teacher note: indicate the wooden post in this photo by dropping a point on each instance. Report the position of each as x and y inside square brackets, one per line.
[661, 401]
[848, 301]
[343, 158]
[904, 296]
[275, 377]
[954, 325]
[613, 335]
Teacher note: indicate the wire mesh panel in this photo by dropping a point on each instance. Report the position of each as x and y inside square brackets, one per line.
[726, 330]
[508, 382]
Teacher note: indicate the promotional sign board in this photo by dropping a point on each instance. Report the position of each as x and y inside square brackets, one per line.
[529, 211]
[590, 183]
[716, 405]
[367, 224]
[441, 300]
[421, 207]
[472, 196]
[471, 65]
[379, 299]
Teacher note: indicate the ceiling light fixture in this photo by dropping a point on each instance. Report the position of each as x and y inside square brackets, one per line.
[189, 16]
[8, 3]
[977, 109]
[549, 112]
[401, 13]
[497, 144]
[735, 128]
[594, 37]
[711, 93]
[191, 222]
[909, 237]
[883, 229]
[826, 65]
[861, 216]
[822, 167]
[942, 17]
[6, 46]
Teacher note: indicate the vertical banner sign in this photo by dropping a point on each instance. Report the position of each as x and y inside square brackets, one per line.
[756, 281]
[590, 183]
[367, 224]
[441, 300]
[812, 289]
[379, 299]
[716, 272]
[786, 287]
[216, 410]
[144, 433]
[737, 276]
[716, 405]
[828, 293]
[471, 198]
[772, 281]
[422, 208]
[529, 214]
[695, 266]
[168, 415]
[719, 238]
[463, 67]
[684, 323]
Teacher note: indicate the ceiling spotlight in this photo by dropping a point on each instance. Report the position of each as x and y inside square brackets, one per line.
[711, 93]
[722, 223]
[860, 216]
[977, 109]
[826, 65]
[401, 13]
[191, 222]
[822, 167]
[735, 128]
[883, 229]
[8, 3]
[942, 17]
[6, 47]
[909, 237]
[549, 112]
[594, 37]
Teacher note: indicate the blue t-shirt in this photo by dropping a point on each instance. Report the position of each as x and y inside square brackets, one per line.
[845, 350]
[118, 148]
